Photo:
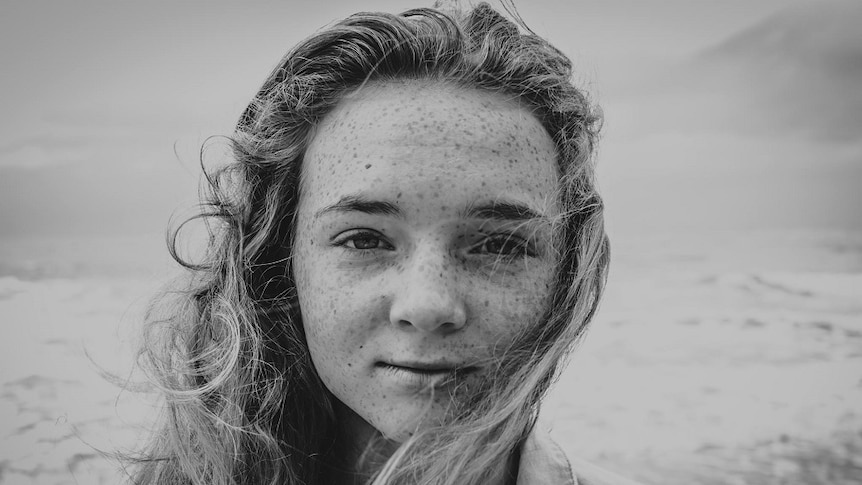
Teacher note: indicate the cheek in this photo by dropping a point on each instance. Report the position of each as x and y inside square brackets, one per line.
[319, 319]
[331, 308]
[313, 292]
[519, 304]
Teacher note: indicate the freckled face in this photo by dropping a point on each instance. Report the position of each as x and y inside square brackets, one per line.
[423, 239]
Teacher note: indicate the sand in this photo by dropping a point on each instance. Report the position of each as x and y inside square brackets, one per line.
[725, 359]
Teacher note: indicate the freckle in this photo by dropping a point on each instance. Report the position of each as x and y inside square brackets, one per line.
[398, 196]
[367, 166]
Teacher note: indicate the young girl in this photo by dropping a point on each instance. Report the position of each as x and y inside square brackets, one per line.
[406, 248]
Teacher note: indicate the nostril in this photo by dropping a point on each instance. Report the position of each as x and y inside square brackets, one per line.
[444, 318]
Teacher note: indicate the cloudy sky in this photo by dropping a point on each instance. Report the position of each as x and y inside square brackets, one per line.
[730, 115]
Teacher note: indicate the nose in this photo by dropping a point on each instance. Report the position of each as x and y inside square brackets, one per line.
[427, 297]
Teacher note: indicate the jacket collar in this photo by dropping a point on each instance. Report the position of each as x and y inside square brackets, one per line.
[543, 462]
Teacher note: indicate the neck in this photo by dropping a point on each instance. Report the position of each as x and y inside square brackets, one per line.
[359, 450]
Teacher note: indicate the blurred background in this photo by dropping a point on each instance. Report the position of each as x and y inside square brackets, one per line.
[728, 349]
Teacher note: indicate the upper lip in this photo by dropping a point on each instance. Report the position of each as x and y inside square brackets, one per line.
[436, 366]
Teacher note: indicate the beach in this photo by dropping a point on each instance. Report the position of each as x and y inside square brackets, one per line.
[728, 345]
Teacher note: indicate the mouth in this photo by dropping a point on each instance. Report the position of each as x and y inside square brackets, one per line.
[429, 367]
[425, 374]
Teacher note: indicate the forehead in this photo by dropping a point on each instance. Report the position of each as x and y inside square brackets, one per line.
[392, 136]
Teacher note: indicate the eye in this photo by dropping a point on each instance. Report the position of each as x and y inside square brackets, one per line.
[504, 245]
[362, 240]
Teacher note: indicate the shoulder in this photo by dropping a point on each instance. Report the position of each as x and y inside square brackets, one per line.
[591, 474]
[543, 462]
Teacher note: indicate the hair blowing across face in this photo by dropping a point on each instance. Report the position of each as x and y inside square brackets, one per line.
[243, 402]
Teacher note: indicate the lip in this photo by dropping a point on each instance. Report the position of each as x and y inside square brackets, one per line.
[423, 376]
[428, 367]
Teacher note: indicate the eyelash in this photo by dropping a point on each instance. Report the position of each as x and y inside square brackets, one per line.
[516, 246]
[344, 240]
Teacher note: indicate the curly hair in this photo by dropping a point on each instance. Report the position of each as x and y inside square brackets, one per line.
[243, 402]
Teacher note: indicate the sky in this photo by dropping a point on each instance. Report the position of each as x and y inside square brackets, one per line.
[732, 115]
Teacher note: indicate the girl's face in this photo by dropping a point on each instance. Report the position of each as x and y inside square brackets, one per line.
[423, 244]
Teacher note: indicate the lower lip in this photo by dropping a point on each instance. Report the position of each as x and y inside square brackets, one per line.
[421, 379]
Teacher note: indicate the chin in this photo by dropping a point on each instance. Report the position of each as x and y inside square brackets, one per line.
[400, 426]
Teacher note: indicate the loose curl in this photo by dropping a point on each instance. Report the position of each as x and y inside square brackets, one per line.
[244, 404]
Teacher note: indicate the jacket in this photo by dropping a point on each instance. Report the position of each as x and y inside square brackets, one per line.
[543, 462]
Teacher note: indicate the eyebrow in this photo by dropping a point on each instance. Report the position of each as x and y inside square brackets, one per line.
[496, 210]
[358, 203]
[502, 211]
